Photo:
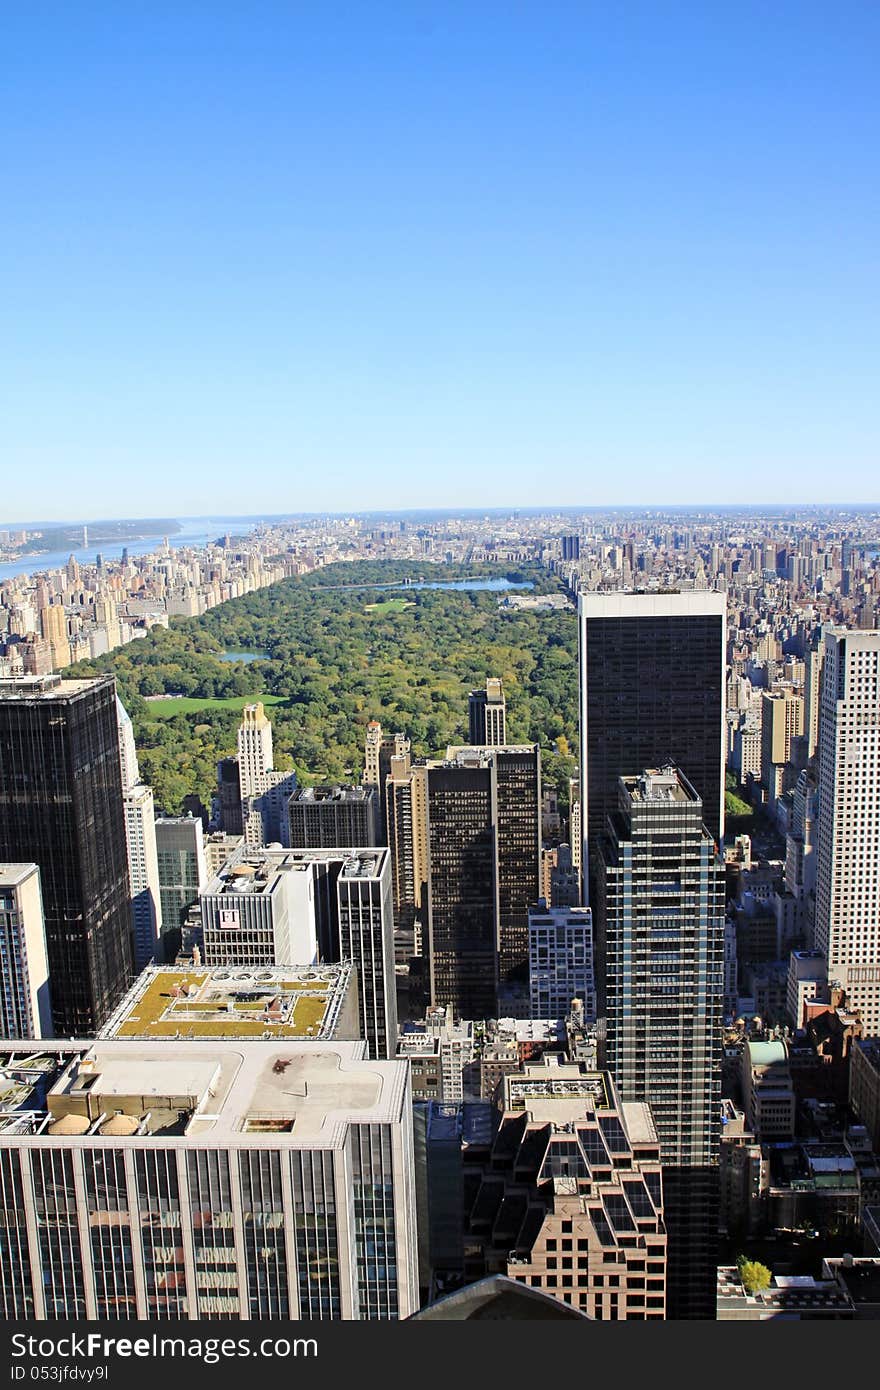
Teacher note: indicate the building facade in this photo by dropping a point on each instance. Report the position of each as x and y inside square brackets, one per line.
[660, 947]
[329, 817]
[205, 1180]
[25, 1003]
[487, 714]
[652, 691]
[847, 927]
[61, 808]
[561, 961]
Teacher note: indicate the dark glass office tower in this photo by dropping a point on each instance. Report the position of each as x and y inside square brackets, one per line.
[61, 808]
[229, 796]
[462, 887]
[484, 816]
[517, 815]
[652, 680]
[659, 915]
[330, 816]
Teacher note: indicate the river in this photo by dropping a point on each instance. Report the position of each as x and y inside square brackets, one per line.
[195, 531]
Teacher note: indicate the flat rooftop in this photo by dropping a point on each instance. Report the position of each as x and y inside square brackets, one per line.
[523, 1030]
[560, 1098]
[659, 784]
[259, 1002]
[228, 1094]
[639, 1122]
[259, 871]
[655, 603]
[49, 687]
[12, 875]
[310, 796]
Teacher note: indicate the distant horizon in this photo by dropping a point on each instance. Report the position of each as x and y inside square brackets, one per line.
[507, 510]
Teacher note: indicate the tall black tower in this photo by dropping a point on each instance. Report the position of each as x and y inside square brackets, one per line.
[652, 685]
[61, 808]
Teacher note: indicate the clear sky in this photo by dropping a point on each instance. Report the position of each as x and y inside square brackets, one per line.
[270, 256]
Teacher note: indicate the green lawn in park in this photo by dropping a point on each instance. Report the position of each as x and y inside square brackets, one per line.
[388, 605]
[184, 704]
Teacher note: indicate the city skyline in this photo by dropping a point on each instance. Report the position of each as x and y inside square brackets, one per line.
[433, 884]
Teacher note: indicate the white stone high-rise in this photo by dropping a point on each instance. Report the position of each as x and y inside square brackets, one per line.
[847, 928]
[254, 748]
[140, 839]
[264, 792]
[143, 869]
[127, 752]
[25, 1005]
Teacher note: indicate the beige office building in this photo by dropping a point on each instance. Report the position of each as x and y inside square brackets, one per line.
[202, 1180]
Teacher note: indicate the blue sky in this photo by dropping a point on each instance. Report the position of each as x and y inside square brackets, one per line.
[282, 256]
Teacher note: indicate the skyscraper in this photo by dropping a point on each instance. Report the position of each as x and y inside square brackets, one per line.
[812, 693]
[660, 946]
[571, 547]
[61, 808]
[366, 937]
[561, 961]
[379, 749]
[25, 1005]
[847, 928]
[571, 1195]
[652, 685]
[516, 816]
[143, 868]
[183, 870]
[264, 791]
[332, 816]
[782, 721]
[487, 714]
[462, 887]
[229, 796]
[484, 812]
[212, 1180]
[128, 759]
[140, 839]
[406, 805]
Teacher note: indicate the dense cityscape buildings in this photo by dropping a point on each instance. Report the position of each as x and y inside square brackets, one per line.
[674, 952]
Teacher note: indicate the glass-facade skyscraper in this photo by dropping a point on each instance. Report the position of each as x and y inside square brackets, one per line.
[61, 808]
[659, 913]
[652, 689]
[484, 831]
